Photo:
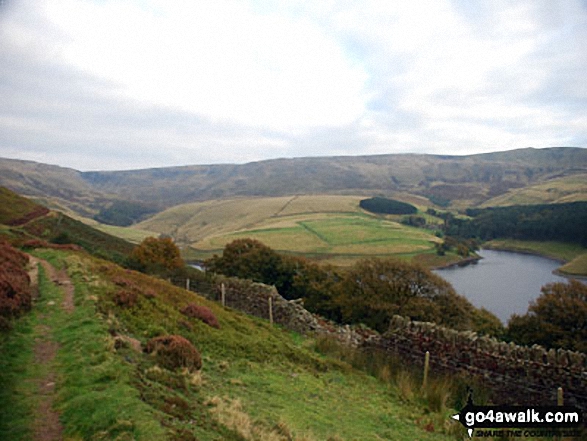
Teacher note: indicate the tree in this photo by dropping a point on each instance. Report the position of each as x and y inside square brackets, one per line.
[247, 259]
[558, 318]
[157, 256]
[373, 290]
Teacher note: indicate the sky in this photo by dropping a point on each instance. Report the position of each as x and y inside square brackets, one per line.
[129, 84]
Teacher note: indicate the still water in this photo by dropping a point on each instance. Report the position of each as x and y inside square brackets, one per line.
[503, 282]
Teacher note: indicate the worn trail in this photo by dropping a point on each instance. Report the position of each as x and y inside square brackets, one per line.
[46, 424]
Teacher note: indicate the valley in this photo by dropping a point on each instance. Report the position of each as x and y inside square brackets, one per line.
[298, 229]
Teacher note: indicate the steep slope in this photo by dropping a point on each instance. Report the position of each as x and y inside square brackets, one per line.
[558, 190]
[25, 222]
[16, 210]
[256, 382]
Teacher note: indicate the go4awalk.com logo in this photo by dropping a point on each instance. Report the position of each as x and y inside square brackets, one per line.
[520, 421]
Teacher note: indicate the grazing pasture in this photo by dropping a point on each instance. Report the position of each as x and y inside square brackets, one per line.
[330, 228]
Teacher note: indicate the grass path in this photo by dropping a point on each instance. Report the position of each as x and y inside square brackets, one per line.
[46, 424]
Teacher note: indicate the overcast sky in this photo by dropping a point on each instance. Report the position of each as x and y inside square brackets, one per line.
[123, 84]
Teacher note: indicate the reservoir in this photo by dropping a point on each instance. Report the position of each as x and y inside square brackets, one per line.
[503, 282]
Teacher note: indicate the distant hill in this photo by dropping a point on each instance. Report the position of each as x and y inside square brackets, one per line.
[456, 181]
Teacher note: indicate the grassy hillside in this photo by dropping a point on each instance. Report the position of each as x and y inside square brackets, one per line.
[24, 221]
[16, 210]
[326, 227]
[257, 382]
[558, 190]
[58, 187]
[459, 181]
[462, 180]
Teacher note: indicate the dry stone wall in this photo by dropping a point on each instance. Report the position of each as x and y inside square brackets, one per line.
[515, 374]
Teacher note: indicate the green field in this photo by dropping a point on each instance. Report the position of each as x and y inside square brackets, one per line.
[329, 228]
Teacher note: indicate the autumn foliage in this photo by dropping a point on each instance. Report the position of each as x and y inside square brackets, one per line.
[558, 318]
[174, 352]
[157, 256]
[15, 289]
[369, 292]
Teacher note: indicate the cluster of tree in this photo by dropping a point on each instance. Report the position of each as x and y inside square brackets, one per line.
[557, 319]
[463, 247]
[561, 222]
[381, 205]
[414, 221]
[369, 292]
[124, 213]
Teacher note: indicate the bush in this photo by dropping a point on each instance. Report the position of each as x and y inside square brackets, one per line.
[15, 289]
[126, 298]
[156, 256]
[129, 293]
[556, 319]
[174, 352]
[201, 312]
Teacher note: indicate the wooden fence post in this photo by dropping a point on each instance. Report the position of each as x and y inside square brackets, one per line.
[187, 284]
[426, 369]
[560, 397]
[223, 295]
[271, 310]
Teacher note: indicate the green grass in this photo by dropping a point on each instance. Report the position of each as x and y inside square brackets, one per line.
[14, 207]
[255, 376]
[17, 389]
[576, 267]
[94, 392]
[331, 236]
[130, 234]
[278, 378]
[61, 228]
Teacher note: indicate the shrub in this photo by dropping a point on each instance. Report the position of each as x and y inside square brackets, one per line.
[126, 298]
[129, 292]
[15, 289]
[201, 312]
[156, 256]
[174, 352]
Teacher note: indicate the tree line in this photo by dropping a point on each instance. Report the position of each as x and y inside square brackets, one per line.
[369, 292]
[559, 222]
[373, 290]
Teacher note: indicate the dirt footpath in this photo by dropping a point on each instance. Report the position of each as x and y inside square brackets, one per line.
[46, 425]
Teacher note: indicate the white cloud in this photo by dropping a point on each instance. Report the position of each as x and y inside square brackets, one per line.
[217, 59]
[243, 80]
